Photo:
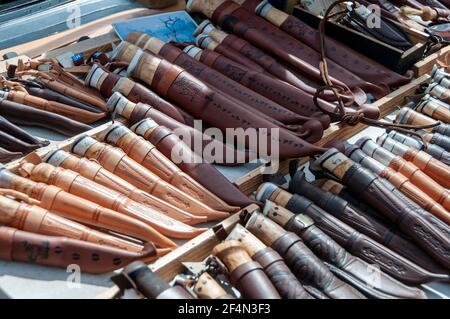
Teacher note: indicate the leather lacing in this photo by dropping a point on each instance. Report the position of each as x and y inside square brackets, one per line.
[352, 118]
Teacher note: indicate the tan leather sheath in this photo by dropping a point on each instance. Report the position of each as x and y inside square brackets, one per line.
[78, 185]
[117, 162]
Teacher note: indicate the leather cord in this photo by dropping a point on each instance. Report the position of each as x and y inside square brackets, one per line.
[350, 118]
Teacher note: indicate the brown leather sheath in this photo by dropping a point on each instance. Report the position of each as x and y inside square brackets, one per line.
[78, 185]
[346, 57]
[236, 56]
[220, 82]
[17, 245]
[95, 172]
[81, 210]
[21, 114]
[284, 94]
[204, 173]
[8, 156]
[77, 114]
[117, 162]
[430, 166]
[281, 276]
[38, 220]
[246, 24]
[146, 154]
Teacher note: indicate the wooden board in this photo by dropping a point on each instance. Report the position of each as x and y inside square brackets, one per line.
[426, 65]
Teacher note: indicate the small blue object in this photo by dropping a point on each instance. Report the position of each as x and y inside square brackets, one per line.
[78, 59]
[96, 55]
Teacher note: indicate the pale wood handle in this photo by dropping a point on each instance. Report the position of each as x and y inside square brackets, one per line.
[232, 253]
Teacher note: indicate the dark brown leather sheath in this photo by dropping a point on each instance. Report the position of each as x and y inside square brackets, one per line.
[281, 276]
[230, 86]
[369, 188]
[26, 115]
[234, 55]
[60, 98]
[284, 94]
[19, 133]
[310, 269]
[251, 281]
[353, 270]
[231, 16]
[14, 144]
[206, 104]
[363, 246]
[348, 58]
[7, 156]
[17, 245]
[203, 172]
[363, 222]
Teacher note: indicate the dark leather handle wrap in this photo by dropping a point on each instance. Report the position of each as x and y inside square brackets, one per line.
[372, 190]
[251, 281]
[281, 276]
[364, 247]
[26, 115]
[310, 269]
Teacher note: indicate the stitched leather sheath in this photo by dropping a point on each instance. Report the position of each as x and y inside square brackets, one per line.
[17, 245]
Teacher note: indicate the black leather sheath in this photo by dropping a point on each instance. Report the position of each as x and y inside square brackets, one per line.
[351, 269]
[7, 156]
[19, 133]
[281, 276]
[363, 246]
[13, 144]
[310, 269]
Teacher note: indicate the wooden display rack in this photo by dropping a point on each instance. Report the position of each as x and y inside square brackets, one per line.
[199, 248]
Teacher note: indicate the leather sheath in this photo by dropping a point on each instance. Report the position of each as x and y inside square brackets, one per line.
[284, 94]
[434, 110]
[434, 150]
[80, 186]
[68, 111]
[19, 133]
[222, 83]
[147, 155]
[38, 220]
[135, 92]
[281, 276]
[353, 270]
[202, 102]
[270, 64]
[150, 284]
[81, 210]
[118, 163]
[441, 140]
[8, 156]
[14, 144]
[365, 68]
[310, 269]
[409, 116]
[95, 172]
[362, 222]
[51, 95]
[370, 189]
[201, 171]
[251, 281]
[246, 24]
[363, 246]
[24, 246]
[21, 114]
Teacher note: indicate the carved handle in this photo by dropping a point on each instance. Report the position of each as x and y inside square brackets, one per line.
[232, 253]
[207, 288]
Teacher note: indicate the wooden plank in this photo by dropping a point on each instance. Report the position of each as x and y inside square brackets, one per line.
[424, 66]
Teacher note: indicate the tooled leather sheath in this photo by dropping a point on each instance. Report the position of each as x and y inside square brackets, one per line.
[78, 185]
[363, 222]
[38, 220]
[24, 246]
[81, 210]
[204, 173]
[146, 154]
[220, 82]
[117, 162]
[370, 188]
[187, 91]
[95, 172]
